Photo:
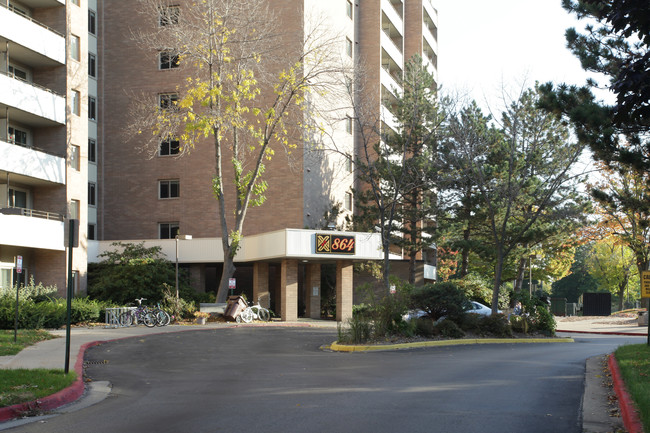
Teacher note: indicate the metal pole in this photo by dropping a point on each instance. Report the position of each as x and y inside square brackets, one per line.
[69, 297]
[530, 276]
[176, 266]
[17, 300]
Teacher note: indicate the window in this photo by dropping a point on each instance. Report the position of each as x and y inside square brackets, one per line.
[92, 194]
[92, 22]
[92, 150]
[167, 100]
[169, 189]
[92, 108]
[74, 157]
[92, 65]
[169, 147]
[169, 16]
[75, 46]
[347, 203]
[168, 60]
[348, 47]
[168, 230]
[17, 136]
[348, 163]
[17, 198]
[92, 235]
[17, 73]
[74, 209]
[348, 9]
[75, 2]
[348, 125]
[76, 106]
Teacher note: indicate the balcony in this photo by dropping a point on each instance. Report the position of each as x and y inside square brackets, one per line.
[31, 229]
[31, 104]
[390, 83]
[389, 48]
[30, 42]
[32, 163]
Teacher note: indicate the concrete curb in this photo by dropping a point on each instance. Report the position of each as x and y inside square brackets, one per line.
[629, 412]
[629, 334]
[370, 348]
[63, 397]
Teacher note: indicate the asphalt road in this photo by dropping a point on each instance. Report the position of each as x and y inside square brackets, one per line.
[278, 380]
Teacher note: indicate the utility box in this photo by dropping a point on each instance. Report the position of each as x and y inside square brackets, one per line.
[597, 304]
[558, 306]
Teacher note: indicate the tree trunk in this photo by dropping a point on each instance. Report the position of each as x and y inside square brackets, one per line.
[464, 264]
[498, 271]
[519, 282]
[227, 273]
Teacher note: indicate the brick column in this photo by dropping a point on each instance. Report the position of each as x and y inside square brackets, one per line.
[289, 290]
[261, 284]
[343, 290]
[312, 287]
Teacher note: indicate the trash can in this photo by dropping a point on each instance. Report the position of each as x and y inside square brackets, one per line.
[643, 318]
[236, 304]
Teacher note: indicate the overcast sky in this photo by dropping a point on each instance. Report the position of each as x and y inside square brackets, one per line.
[486, 44]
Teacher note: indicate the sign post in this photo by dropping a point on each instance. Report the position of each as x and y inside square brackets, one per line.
[645, 293]
[232, 283]
[19, 270]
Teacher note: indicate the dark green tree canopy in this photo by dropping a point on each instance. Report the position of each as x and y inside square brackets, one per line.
[614, 43]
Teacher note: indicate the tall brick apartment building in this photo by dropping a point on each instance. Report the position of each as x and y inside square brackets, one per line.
[44, 130]
[137, 196]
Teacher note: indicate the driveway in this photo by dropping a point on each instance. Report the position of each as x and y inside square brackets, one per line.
[278, 380]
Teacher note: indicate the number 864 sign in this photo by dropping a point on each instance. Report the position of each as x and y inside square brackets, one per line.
[335, 244]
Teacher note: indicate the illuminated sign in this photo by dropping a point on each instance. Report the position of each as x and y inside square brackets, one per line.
[334, 244]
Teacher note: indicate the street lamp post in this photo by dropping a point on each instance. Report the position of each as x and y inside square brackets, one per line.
[183, 237]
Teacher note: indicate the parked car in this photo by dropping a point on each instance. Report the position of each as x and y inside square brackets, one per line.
[474, 307]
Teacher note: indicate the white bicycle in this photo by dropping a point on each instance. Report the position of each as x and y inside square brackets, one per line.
[254, 312]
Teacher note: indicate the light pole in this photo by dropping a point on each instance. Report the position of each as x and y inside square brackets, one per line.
[183, 237]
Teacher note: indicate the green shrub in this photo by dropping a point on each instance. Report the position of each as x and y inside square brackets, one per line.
[85, 310]
[440, 300]
[495, 325]
[359, 330]
[476, 288]
[544, 321]
[520, 324]
[471, 323]
[425, 327]
[449, 328]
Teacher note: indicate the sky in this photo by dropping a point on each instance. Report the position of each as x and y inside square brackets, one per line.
[487, 45]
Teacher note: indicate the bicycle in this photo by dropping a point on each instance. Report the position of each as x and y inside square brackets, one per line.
[254, 312]
[161, 316]
[140, 314]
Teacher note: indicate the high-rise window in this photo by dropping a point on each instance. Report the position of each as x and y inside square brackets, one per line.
[92, 65]
[92, 22]
[74, 209]
[169, 189]
[167, 100]
[17, 136]
[92, 235]
[168, 230]
[347, 203]
[92, 194]
[168, 60]
[75, 48]
[348, 47]
[169, 15]
[92, 150]
[76, 103]
[74, 157]
[169, 147]
[348, 9]
[92, 108]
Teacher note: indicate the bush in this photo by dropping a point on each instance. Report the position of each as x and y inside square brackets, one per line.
[440, 300]
[544, 321]
[359, 330]
[425, 327]
[448, 328]
[476, 288]
[496, 325]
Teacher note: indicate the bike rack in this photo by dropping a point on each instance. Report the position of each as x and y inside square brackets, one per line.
[113, 316]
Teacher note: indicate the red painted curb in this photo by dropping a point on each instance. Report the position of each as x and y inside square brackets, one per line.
[63, 397]
[629, 412]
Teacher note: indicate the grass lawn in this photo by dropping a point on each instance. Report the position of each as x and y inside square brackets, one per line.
[23, 385]
[20, 386]
[26, 337]
[634, 362]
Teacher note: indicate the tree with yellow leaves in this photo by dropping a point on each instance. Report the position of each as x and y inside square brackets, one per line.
[245, 90]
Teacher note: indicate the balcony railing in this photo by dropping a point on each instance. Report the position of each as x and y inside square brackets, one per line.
[31, 83]
[32, 213]
[17, 12]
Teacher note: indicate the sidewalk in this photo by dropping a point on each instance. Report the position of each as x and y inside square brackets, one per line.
[601, 325]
